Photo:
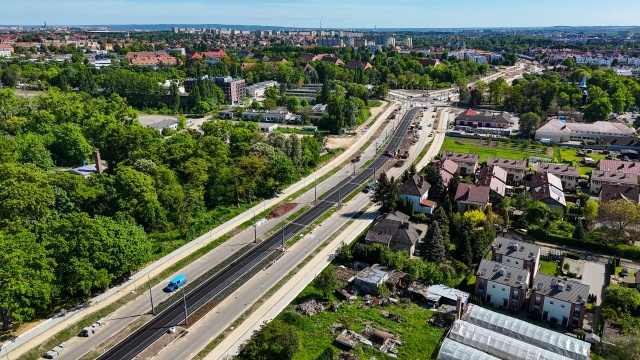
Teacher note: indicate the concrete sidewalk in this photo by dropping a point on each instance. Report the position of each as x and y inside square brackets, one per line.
[288, 292]
[51, 326]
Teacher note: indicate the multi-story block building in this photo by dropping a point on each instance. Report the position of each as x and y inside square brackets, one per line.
[562, 300]
[518, 254]
[599, 178]
[234, 89]
[502, 285]
[515, 168]
[568, 175]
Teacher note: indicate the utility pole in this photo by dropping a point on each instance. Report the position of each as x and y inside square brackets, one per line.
[354, 169]
[338, 204]
[315, 189]
[184, 300]
[153, 309]
[283, 236]
[255, 229]
[374, 170]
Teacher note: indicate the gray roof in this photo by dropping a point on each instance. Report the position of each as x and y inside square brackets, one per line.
[460, 157]
[474, 194]
[163, 124]
[372, 276]
[416, 185]
[503, 274]
[568, 290]
[558, 169]
[507, 163]
[610, 192]
[515, 249]
[393, 228]
[614, 177]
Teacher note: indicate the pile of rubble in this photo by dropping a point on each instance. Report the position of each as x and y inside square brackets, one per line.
[310, 307]
[347, 356]
[391, 316]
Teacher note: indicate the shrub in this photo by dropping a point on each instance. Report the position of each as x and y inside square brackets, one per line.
[572, 255]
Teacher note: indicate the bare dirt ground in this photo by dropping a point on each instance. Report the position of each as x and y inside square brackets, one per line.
[281, 210]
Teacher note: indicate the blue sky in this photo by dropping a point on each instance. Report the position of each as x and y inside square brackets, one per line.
[333, 13]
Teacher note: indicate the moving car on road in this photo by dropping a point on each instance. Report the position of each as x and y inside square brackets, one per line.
[176, 282]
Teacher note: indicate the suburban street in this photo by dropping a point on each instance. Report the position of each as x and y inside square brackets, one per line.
[126, 315]
[227, 311]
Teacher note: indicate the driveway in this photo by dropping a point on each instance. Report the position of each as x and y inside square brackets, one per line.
[593, 275]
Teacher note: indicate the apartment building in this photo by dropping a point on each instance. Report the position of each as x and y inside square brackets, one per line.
[467, 163]
[515, 168]
[502, 285]
[516, 253]
[559, 299]
[568, 175]
[599, 178]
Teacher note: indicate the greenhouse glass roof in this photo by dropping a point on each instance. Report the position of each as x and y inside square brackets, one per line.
[521, 330]
[453, 350]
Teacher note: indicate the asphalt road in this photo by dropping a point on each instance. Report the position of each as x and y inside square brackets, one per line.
[154, 329]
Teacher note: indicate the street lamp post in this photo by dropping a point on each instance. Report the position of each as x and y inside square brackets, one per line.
[283, 236]
[153, 309]
[184, 301]
[315, 189]
[255, 229]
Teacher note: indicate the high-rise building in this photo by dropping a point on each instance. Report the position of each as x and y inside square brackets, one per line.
[409, 42]
[381, 40]
[391, 41]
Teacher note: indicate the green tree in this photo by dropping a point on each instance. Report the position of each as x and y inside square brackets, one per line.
[9, 77]
[137, 196]
[529, 123]
[599, 109]
[434, 244]
[385, 191]
[434, 178]
[69, 146]
[274, 340]
[27, 270]
[621, 298]
[618, 218]
[326, 282]
[578, 231]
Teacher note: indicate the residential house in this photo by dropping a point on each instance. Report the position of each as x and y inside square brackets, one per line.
[619, 192]
[311, 57]
[599, 178]
[332, 60]
[194, 55]
[471, 197]
[369, 280]
[429, 62]
[568, 175]
[276, 59]
[467, 163]
[559, 299]
[416, 190]
[627, 167]
[515, 168]
[306, 67]
[516, 253]
[495, 178]
[484, 119]
[397, 280]
[559, 131]
[501, 285]
[448, 170]
[393, 230]
[214, 53]
[547, 188]
[353, 64]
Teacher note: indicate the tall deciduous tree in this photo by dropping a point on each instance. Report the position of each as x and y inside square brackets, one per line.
[434, 178]
[618, 217]
[529, 123]
[385, 192]
[326, 282]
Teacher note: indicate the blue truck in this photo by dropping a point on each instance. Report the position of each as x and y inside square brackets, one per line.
[176, 282]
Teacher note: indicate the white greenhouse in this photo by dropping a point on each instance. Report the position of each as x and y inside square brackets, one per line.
[453, 350]
[498, 345]
[535, 335]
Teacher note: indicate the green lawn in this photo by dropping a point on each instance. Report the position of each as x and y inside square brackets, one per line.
[420, 338]
[486, 149]
[517, 150]
[548, 267]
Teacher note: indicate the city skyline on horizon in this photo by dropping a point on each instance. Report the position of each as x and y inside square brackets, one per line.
[411, 14]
